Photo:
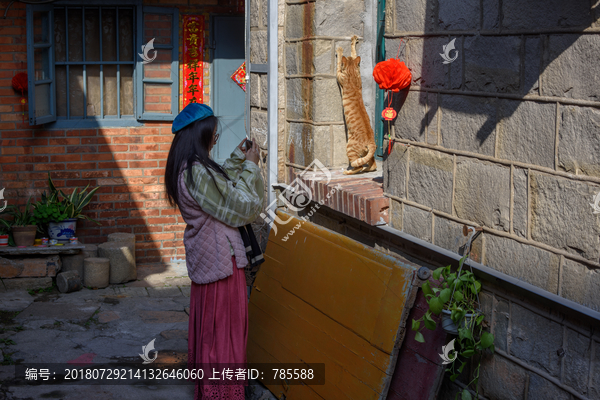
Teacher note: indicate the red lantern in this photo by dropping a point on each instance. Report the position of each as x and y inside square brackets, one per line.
[392, 75]
[19, 83]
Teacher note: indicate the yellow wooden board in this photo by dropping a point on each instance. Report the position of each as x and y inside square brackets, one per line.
[321, 297]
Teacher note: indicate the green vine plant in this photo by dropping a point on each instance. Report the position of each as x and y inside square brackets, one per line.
[457, 293]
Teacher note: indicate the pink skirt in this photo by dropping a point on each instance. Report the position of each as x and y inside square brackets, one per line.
[218, 331]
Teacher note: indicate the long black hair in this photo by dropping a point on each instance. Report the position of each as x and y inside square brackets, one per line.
[190, 144]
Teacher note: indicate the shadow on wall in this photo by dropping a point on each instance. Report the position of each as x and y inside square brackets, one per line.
[503, 49]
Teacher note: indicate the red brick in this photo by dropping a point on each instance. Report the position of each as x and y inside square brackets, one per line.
[113, 197]
[156, 155]
[33, 159]
[128, 156]
[162, 220]
[95, 174]
[82, 165]
[128, 172]
[174, 228]
[158, 139]
[8, 159]
[64, 158]
[154, 172]
[148, 229]
[154, 188]
[142, 164]
[51, 133]
[65, 175]
[81, 149]
[145, 181]
[16, 150]
[143, 147]
[52, 166]
[129, 204]
[145, 196]
[114, 131]
[63, 141]
[127, 139]
[49, 149]
[128, 189]
[144, 213]
[82, 132]
[97, 157]
[112, 148]
[81, 182]
[112, 164]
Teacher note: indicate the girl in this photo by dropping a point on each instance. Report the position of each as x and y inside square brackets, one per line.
[214, 201]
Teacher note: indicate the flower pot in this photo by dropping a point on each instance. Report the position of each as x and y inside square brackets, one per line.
[450, 327]
[62, 231]
[24, 235]
[3, 240]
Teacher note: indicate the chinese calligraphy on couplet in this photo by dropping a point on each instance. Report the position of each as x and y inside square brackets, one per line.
[193, 54]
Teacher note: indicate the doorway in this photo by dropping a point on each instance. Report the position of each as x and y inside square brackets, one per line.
[229, 99]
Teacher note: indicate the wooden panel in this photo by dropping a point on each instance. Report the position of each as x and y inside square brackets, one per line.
[321, 297]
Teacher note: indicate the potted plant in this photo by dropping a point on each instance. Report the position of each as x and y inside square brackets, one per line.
[23, 225]
[455, 296]
[58, 216]
[5, 227]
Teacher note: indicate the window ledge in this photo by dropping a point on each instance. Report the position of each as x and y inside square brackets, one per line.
[358, 196]
[92, 123]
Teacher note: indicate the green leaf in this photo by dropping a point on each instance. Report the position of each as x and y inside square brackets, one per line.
[480, 319]
[487, 339]
[453, 377]
[458, 296]
[445, 295]
[416, 325]
[462, 366]
[426, 287]
[419, 337]
[466, 395]
[429, 324]
[436, 273]
[467, 353]
[436, 306]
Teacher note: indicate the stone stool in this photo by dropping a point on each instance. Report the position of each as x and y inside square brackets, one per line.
[96, 272]
[122, 237]
[122, 260]
[69, 281]
[73, 262]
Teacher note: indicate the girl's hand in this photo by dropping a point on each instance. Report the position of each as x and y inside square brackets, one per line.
[242, 146]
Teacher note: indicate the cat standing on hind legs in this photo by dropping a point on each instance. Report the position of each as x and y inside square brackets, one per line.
[361, 139]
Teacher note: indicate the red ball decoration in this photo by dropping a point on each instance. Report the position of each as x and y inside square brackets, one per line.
[392, 75]
[19, 82]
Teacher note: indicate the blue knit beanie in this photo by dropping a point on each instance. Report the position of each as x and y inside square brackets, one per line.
[191, 113]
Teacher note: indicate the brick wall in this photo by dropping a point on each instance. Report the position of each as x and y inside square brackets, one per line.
[126, 163]
[506, 137]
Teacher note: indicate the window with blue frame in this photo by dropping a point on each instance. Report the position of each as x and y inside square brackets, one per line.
[110, 64]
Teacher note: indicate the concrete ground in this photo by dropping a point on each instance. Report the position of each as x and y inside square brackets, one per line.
[100, 326]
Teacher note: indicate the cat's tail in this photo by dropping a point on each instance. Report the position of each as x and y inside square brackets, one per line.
[371, 147]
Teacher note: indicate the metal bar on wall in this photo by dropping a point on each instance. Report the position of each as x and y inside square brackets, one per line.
[273, 96]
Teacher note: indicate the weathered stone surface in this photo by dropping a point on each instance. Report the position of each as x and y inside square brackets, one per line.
[15, 300]
[528, 132]
[577, 361]
[395, 214]
[299, 17]
[264, 91]
[264, 13]
[424, 61]
[27, 283]
[40, 251]
[69, 281]
[323, 144]
[58, 311]
[531, 65]
[522, 261]
[501, 318]
[520, 202]
[482, 193]
[541, 389]
[107, 316]
[491, 16]
[468, 123]
[291, 59]
[259, 127]
[561, 215]
[595, 381]
[339, 18]
[254, 90]
[30, 267]
[430, 178]
[567, 72]
[580, 284]
[394, 171]
[96, 272]
[258, 47]
[122, 260]
[322, 59]
[579, 140]
[340, 157]
[449, 235]
[121, 237]
[458, 15]
[417, 222]
[544, 14]
[254, 13]
[327, 101]
[414, 15]
[164, 291]
[411, 121]
[299, 93]
[505, 381]
[300, 143]
[495, 71]
[536, 339]
[175, 334]
[432, 118]
[163, 317]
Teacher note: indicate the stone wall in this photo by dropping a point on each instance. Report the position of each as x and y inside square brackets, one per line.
[311, 102]
[506, 137]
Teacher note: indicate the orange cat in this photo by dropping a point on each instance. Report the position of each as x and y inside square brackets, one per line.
[361, 140]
